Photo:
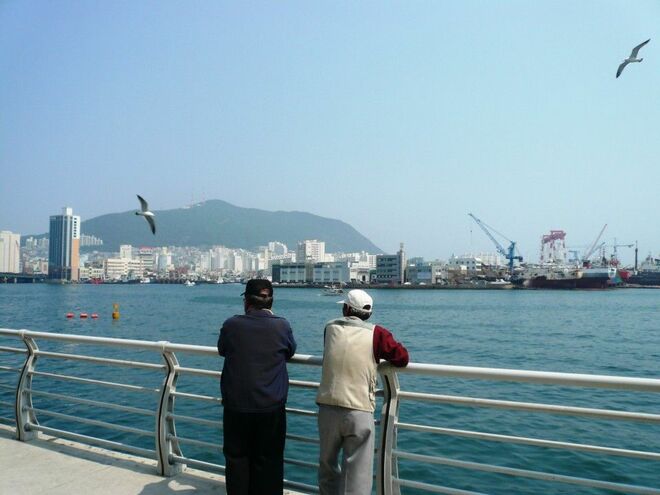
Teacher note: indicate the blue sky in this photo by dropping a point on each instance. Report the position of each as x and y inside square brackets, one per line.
[396, 117]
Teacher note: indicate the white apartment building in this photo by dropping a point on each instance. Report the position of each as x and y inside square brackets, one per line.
[277, 248]
[10, 252]
[236, 262]
[90, 240]
[310, 250]
[126, 252]
[164, 261]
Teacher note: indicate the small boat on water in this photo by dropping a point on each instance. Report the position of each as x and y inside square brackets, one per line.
[189, 283]
[332, 291]
[499, 284]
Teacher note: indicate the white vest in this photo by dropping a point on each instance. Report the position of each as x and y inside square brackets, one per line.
[349, 377]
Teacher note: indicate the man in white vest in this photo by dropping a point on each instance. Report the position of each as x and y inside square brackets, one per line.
[346, 397]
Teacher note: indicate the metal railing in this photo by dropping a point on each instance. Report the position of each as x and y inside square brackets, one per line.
[167, 444]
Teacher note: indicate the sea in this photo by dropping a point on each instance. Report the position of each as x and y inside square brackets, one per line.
[609, 332]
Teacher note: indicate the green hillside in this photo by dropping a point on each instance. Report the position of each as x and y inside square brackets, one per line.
[217, 222]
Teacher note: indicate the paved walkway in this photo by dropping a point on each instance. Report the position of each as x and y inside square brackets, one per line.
[52, 466]
[60, 467]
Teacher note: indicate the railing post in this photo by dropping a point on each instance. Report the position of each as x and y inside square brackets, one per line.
[165, 427]
[387, 469]
[25, 416]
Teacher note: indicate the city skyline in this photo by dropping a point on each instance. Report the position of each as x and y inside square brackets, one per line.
[600, 245]
[399, 120]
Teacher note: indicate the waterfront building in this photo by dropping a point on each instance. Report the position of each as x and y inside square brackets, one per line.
[147, 256]
[123, 269]
[390, 268]
[64, 246]
[467, 263]
[89, 272]
[310, 250]
[293, 272]
[426, 273]
[359, 272]
[10, 252]
[336, 272]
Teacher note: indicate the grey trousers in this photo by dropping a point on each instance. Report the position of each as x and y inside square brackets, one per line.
[350, 431]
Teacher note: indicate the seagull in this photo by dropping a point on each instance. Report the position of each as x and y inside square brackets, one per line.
[148, 215]
[632, 58]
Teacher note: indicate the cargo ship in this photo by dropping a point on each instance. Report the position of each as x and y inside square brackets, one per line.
[648, 274]
[554, 276]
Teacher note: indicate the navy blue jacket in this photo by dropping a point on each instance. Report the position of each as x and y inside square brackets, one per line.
[256, 347]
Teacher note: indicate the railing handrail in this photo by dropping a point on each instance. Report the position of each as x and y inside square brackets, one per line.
[149, 345]
[529, 376]
[470, 372]
[171, 459]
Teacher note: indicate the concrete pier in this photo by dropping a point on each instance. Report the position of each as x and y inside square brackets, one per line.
[59, 467]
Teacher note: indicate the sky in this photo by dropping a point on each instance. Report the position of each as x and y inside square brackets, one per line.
[399, 118]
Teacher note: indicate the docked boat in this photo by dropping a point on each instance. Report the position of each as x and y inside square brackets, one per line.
[557, 276]
[648, 274]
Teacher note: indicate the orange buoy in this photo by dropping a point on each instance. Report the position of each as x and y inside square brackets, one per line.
[115, 311]
[95, 316]
[83, 315]
[69, 315]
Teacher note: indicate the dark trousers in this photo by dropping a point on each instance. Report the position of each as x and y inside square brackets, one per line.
[254, 452]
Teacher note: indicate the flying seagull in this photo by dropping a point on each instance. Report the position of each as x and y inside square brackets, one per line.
[632, 58]
[148, 215]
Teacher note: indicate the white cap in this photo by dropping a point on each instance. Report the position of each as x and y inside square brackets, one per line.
[358, 299]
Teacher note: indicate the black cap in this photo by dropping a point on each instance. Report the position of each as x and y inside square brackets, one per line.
[255, 286]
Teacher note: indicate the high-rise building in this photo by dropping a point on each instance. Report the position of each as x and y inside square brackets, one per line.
[10, 252]
[64, 246]
[310, 250]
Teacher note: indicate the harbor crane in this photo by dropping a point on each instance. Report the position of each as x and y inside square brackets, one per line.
[593, 248]
[509, 253]
[615, 257]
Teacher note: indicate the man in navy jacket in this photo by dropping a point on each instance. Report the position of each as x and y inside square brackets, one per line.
[254, 386]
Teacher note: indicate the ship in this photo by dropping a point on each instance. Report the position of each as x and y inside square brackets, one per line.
[561, 276]
[648, 274]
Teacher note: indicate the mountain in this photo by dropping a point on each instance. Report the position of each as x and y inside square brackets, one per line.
[217, 222]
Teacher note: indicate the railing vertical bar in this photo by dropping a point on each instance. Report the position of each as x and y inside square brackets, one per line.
[387, 470]
[167, 446]
[23, 402]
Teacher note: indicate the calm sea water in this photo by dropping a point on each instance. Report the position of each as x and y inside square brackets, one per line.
[601, 332]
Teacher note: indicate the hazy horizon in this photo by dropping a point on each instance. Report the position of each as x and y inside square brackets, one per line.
[398, 119]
